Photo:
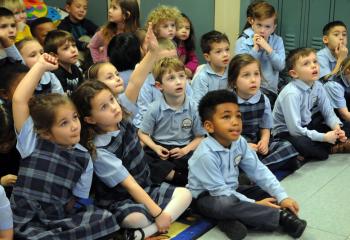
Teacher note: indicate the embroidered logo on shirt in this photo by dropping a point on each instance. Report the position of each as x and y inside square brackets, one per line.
[237, 159]
[186, 123]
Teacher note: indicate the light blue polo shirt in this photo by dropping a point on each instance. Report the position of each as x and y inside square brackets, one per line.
[207, 80]
[271, 64]
[266, 121]
[296, 104]
[326, 60]
[215, 169]
[149, 93]
[172, 126]
[6, 220]
[336, 92]
[26, 143]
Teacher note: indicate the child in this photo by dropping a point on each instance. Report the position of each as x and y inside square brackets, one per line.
[62, 45]
[123, 16]
[171, 128]
[123, 185]
[55, 171]
[77, 24]
[124, 52]
[244, 76]
[40, 27]
[338, 92]
[335, 37]
[302, 107]
[7, 32]
[213, 76]
[164, 19]
[18, 9]
[149, 92]
[31, 50]
[6, 224]
[214, 169]
[185, 41]
[261, 42]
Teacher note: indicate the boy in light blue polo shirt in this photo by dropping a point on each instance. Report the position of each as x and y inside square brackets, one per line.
[171, 128]
[335, 37]
[303, 114]
[6, 222]
[212, 76]
[214, 169]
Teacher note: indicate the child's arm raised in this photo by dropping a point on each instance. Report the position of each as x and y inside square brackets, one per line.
[26, 87]
[140, 73]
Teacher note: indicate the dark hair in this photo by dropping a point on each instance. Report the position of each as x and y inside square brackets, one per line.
[189, 43]
[10, 69]
[124, 51]
[4, 12]
[7, 133]
[42, 109]
[55, 39]
[35, 23]
[295, 54]
[207, 105]
[330, 25]
[212, 37]
[236, 64]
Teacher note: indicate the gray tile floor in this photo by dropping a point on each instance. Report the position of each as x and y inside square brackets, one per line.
[322, 190]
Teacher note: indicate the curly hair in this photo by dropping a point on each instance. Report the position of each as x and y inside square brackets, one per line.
[163, 13]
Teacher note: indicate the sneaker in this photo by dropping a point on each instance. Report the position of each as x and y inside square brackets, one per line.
[291, 224]
[233, 229]
[342, 147]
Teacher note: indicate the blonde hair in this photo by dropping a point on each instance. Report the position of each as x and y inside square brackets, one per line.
[165, 65]
[12, 4]
[161, 14]
[92, 72]
[166, 44]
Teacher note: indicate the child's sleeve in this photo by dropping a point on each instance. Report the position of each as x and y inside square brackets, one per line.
[200, 85]
[83, 186]
[95, 44]
[335, 93]
[6, 221]
[324, 62]
[267, 121]
[245, 45]
[149, 119]
[326, 108]
[56, 86]
[126, 103]
[277, 56]
[109, 168]
[143, 101]
[26, 139]
[192, 61]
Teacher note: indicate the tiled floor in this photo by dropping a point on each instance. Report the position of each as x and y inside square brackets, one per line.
[323, 192]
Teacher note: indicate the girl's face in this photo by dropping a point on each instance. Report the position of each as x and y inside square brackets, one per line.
[20, 15]
[183, 30]
[109, 75]
[115, 13]
[31, 52]
[264, 27]
[66, 128]
[106, 113]
[166, 29]
[248, 81]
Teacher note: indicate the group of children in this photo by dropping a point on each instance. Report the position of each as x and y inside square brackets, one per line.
[153, 128]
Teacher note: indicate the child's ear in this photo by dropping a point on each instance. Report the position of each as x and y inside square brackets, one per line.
[127, 14]
[158, 86]
[325, 40]
[250, 20]
[208, 126]
[293, 73]
[206, 57]
[67, 8]
[45, 134]
[89, 120]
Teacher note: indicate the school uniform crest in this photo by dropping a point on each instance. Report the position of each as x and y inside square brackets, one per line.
[186, 123]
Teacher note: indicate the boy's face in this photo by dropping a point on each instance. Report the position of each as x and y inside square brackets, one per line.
[219, 55]
[173, 83]
[183, 30]
[166, 29]
[306, 69]
[67, 53]
[42, 30]
[8, 27]
[264, 27]
[109, 75]
[77, 10]
[336, 37]
[31, 53]
[226, 123]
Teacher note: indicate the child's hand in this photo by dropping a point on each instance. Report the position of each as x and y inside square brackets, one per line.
[151, 41]
[263, 147]
[262, 43]
[163, 222]
[341, 135]
[8, 180]
[253, 146]
[256, 45]
[178, 152]
[189, 73]
[162, 152]
[291, 204]
[48, 62]
[331, 137]
[268, 202]
[341, 52]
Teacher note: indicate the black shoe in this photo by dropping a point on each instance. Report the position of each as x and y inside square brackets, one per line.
[129, 233]
[291, 224]
[233, 229]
